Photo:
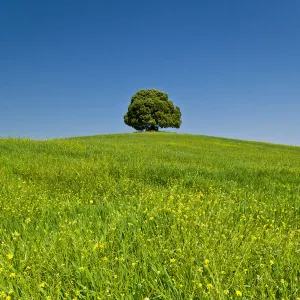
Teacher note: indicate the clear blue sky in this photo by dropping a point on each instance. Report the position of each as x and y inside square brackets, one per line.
[69, 68]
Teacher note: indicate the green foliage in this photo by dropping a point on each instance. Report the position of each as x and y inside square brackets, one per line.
[95, 218]
[151, 110]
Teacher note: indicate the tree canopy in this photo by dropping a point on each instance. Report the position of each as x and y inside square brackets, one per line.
[150, 110]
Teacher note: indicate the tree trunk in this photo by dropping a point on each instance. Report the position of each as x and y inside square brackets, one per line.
[152, 128]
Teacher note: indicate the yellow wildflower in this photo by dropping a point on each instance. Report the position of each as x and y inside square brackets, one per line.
[42, 284]
[172, 260]
[10, 256]
[238, 293]
[98, 245]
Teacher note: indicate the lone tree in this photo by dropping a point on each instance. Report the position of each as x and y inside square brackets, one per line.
[150, 110]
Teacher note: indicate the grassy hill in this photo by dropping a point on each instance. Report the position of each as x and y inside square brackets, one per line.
[151, 215]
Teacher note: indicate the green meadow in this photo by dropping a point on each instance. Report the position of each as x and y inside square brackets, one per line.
[149, 216]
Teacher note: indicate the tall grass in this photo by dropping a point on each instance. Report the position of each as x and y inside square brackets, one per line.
[155, 215]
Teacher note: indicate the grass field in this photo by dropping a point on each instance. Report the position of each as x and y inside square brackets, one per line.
[150, 215]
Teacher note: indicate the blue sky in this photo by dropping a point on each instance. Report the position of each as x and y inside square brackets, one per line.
[69, 68]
